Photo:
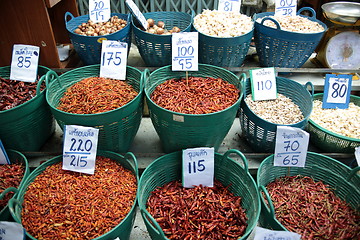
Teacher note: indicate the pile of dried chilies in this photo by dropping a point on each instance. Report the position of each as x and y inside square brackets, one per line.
[96, 95]
[195, 95]
[62, 204]
[10, 176]
[312, 210]
[14, 93]
[197, 213]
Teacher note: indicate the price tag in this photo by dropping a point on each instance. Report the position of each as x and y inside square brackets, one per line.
[185, 51]
[285, 7]
[198, 167]
[99, 10]
[290, 147]
[357, 155]
[266, 234]
[136, 11]
[113, 59]
[229, 5]
[4, 159]
[263, 84]
[80, 145]
[11, 231]
[24, 63]
[337, 91]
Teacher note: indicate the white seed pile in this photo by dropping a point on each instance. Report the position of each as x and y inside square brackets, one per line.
[294, 24]
[222, 24]
[345, 122]
[281, 110]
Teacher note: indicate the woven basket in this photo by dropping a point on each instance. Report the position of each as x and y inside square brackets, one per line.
[15, 157]
[279, 48]
[89, 47]
[261, 134]
[339, 177]
[155, 49]
[27, 127]
[122, 230]
[117, 127]
[226, 170]
[329, 141]
[179, 131]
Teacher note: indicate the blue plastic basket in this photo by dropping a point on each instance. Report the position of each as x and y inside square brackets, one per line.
[261, 134]
[279, 48]
[89, 47]
[155, 49]
[224, 52]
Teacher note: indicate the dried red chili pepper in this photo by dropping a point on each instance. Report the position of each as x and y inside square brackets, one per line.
[10, 176]
[195, 95]
[14, 93]
[61, 204]
[312, 210]
[96, 95]
[197, 213]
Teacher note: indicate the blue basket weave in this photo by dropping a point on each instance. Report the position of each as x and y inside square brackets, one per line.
[155, 49]
[261, 134]
[279, 48]
[89, 47]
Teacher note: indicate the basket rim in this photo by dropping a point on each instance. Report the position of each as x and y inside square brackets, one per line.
[195, 115]
[93, 114]
[342, 137]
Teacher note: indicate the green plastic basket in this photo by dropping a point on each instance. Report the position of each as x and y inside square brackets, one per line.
[261, 134]
[344, 181]
[168, 168]
[15, 157]
[179, 131]
[117, 127]
[122, 230]
[329, 141]
[27, 127]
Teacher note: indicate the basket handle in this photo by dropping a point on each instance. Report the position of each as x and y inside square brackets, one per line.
[145, 75]
[9, 189]
[147, 216]
[68, 14]
[273, 20]
[313, 16]
[15, 205]
[240, 154]
[309, 84]
[353, 172]
[51, 76]
[38, 86]
[270, 208]
[132, 160]
[242, 79]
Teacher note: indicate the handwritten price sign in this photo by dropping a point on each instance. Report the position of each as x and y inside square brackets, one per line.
[24, 63]
[266, 234]
[263, 84]
[185, 51]
[136, 11]
[11, 231]
[337, 91]
[285, 7]
[229, 5]
[99, 10]
[113, 59]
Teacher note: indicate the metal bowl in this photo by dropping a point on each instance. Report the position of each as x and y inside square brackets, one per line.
[342, 12]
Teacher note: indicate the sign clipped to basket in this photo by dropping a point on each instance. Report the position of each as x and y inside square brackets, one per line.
[136, 11]
[263, 233]
[99, 10]
[24, 63]
[229, 5]
[4, 159]
[198, 167]
[337, 89]
[290, 147]
[113, 59]
[80, 147]
[263, 84]
[11, 231]
[184, 49]
[285, 7]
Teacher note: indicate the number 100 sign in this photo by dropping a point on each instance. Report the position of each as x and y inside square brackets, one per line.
[185, 51]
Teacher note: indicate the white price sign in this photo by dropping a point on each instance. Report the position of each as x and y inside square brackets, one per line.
[266, 234]
[24, 63]
[337, 90]
[357, 155]
[285, 7]
[229, 5]
[113, 59]
[11, 231]
[136, 11]
[198, 167]
[290, 147]
[4, 159]
[185, 47]
[99, 10]
[263, 84]
[80, 146]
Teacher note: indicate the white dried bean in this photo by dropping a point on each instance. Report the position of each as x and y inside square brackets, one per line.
[294, 24]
